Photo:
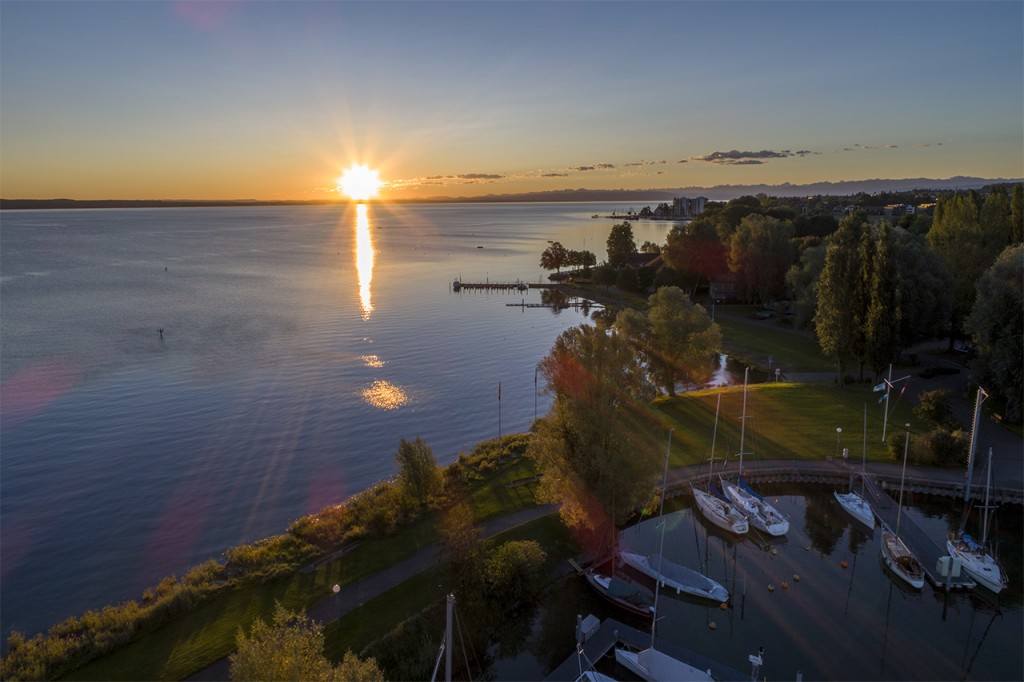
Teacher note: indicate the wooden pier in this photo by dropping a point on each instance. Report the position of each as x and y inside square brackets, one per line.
[927, 549]
[611, 633]
[497, 286]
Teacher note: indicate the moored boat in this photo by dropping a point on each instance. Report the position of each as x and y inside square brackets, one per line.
[721, 513]
[623, 592]
[974, 556]
[857, 507]
[901, 560]
[679, 578]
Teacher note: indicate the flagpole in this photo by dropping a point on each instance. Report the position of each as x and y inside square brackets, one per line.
[534, 394]
[499, 410]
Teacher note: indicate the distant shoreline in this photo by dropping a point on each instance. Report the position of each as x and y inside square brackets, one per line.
[716, 193]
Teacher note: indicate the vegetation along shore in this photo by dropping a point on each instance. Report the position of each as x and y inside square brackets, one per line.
[831, 302]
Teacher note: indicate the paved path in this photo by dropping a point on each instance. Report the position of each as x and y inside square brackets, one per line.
[354, 595]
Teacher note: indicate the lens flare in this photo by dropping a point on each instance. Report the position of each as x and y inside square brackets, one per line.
[359, 182]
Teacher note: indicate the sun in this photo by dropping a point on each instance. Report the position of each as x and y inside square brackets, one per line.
[359, 182]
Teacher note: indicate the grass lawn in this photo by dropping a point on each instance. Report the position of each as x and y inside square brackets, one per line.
[755, 341]
[784, 421]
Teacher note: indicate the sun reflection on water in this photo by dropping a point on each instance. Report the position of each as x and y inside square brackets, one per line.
[364, 259]
[384, 395]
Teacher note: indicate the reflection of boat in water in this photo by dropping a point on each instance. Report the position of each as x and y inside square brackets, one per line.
[974, 556]
[895, 552]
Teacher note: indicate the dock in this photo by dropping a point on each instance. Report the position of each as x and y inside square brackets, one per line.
[598, 643]
[497, 286]
[925, 548]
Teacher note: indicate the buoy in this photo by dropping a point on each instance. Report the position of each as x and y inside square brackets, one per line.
[712, 625]
[796, 577]
[785, 585]
[771, 588]
[774, 551]
[723, 606]
[843, 563]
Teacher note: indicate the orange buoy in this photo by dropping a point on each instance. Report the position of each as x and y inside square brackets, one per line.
[843, 563]
[785, 585]
[723, 606]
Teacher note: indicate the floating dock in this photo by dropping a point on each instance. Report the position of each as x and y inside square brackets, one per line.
[611, 633]
[925, 547]
[497, 286]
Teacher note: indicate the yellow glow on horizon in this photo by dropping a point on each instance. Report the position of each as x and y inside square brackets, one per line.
[359, 182]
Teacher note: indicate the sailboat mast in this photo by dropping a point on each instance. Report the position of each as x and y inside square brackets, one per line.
[714, 437]
[988, 490]
[864, 450]
[903, 476]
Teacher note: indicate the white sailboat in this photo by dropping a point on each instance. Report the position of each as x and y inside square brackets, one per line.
[715, 509]
[651, 664]
[760, 513]
[974, 557]
[853, 503]
[895, 553]
[668, 573]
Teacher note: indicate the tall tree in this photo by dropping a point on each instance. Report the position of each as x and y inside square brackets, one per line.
[926, 290]
[997, 327]
[966, 246]
[882, 324]
[589, 446]
[802, 285]
[761, 251]
[837, 321]
[676, 335]
[418, 474]
[1017, 214]
[621, 243]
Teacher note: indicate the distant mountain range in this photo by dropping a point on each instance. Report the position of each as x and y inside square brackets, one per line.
[716, 193]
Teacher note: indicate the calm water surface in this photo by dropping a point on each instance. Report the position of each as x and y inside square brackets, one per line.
[299, 345]
[834, 623]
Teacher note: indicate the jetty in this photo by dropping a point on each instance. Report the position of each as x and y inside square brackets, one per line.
[596, 639]
[487, 285]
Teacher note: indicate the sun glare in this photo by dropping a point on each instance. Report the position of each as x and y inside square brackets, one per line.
[359, 182]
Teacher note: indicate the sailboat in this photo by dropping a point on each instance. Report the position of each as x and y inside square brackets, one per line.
[853, 503]
[651, 664]
[760, 513]
[895, 553]
[974, 557]
[715, 508]
[668, 573]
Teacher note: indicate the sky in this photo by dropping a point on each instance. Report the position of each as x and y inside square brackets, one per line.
[274, 100]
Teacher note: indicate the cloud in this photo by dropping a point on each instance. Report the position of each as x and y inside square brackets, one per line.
[479, 176]
[738, 158]
[554, 175]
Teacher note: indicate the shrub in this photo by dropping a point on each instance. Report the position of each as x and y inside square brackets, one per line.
[934, 406]
[947, 448]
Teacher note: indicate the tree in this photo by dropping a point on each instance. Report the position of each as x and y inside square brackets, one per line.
[418, 474]
[676, 335]
[882, 323]
[555, 257]
[292, 649]
[926, 290]
[966, 246]
[512, 574]
[837, 321]
[460, 539]
[1017, 214]
[760, 253]
[620, 244]
[589, 446]
[802, 283]
[694, 250]
[996, 323]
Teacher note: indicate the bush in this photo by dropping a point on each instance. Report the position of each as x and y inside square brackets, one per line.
[934, 406]
[947, 449]
[513, 575]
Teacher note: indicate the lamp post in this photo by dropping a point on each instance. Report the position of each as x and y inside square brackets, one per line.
[838, 432]
[337, 605]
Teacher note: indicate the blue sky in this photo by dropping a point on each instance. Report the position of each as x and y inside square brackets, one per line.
[274, 99]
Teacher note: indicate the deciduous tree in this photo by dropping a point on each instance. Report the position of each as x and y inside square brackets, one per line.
[837, 321]
[621, 243]
[555, 257]
[418, 474]
[761, 252]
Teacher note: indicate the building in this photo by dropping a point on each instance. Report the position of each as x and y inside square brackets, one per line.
[684, 207]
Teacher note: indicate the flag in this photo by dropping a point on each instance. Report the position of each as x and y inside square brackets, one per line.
[499, 390]
[903, 389]
[883, 398]
[879, 387]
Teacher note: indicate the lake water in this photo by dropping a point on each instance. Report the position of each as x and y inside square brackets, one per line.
[299, 345]
[830, 622]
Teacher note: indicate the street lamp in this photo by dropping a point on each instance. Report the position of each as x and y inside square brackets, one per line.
[838, 431]
[337, 605]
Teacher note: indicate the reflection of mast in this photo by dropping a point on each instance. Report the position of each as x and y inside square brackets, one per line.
[885, 637]
[364, 259]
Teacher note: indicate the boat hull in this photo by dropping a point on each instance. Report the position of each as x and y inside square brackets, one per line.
[760, 513]
[625, 594]
[677, 577]
[979, 565]
[901, 560]
[721, 513]
[655, 666]
[857, 507]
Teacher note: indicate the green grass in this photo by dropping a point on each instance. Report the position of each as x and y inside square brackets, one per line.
[784, 421]
[754, 341]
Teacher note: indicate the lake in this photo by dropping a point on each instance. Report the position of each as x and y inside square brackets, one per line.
[299, 345]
